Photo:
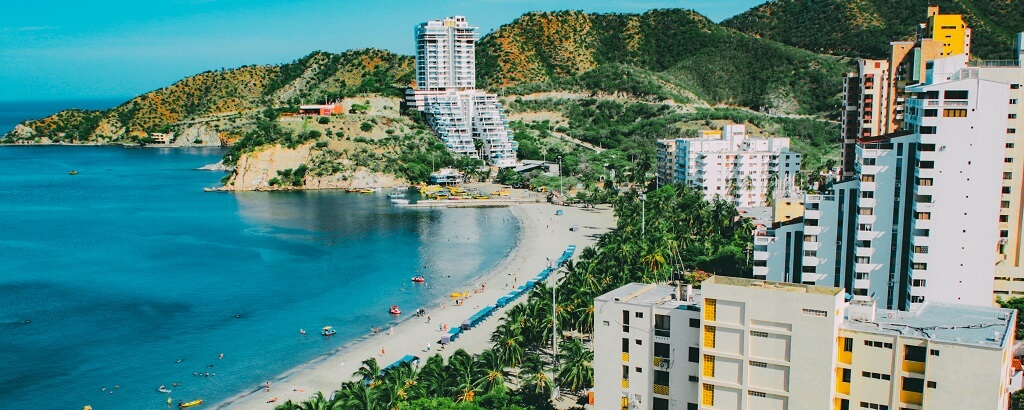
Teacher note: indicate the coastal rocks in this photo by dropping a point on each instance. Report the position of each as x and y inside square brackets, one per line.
[255, 171]
[197, 136]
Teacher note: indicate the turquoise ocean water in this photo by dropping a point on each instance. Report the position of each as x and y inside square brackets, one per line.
[110, 276]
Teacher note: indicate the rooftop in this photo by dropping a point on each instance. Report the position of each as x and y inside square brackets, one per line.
[779, 286]
[645, 294]
[944, 322]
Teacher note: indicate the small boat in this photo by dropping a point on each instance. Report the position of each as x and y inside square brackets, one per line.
[400, 201]
[73, 172]
[418, 279]
[190, 404]
[351, 189]
[395, 310]
[459, 295]
[328, 331]
[398, 193]
[163, 389]
[481, 197]
[366, 191]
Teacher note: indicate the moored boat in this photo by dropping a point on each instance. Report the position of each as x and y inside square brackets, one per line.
[190, 404]
[418, 279]
[366, 191]
[395, 310]
[400, 201]
[328, 331]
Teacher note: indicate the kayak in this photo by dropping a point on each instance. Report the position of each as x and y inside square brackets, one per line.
[191, 403]
[459, 295]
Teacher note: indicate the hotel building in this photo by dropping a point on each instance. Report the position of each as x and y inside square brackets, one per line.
[729, 164]
[446, 93]
[751, 344]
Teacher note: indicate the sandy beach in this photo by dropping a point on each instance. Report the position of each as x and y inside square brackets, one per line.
[543, 236]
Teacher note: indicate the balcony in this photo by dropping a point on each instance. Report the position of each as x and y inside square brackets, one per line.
[625, 357]
[662, 362]
[910, 397]
[661, 389]
[625, 383]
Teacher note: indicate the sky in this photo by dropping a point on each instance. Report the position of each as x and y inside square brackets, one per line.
[64, 50]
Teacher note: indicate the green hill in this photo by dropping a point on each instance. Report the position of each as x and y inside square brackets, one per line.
[665, 53]
[229, 101]
[864, 28]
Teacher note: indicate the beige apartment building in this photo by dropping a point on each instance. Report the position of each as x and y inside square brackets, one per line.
[752, 344]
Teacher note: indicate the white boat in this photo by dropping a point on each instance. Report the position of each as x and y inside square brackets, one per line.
[398, 193]
[400, 201]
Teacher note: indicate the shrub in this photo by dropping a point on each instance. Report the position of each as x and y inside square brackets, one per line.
[366, 127]
[323, 120]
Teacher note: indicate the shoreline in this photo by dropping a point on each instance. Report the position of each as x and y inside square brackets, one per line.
[542, 235]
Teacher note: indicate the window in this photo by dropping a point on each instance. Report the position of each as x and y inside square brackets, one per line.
[933, 352]
[1007, 175]
[759, 364]
[1008, 160]
[1011, 130]
[933, 385]
[931, 113]
[694, 322]
[1006, 189]
[928, 147]
[954, 113]
[866, 211]
[639, 342]
[1004, 204]
[877, 376]
[873, 406]
[955, 95]
[1004, 218]
[868, 161]
[847, 344]
[694, 355]
[815, 312]
[919, 266]
[812, 254]
[1013, 101]
[924, 216]
[929, 129]
[867, 194]
[755, 333]
[913, 384]
[925, 181]
[917, 283]
[709, 366]
[863, 259]
[1014, 86]
[625, 345]
[1009, 145]
[867, 178]
[914, 353]
[864, 227]
[1004, 234]
[663, 325]
[660, 403]
[756, 393]
[625, 372]
[692, 406]
[1012, 116]
[707, 396]
[920, 249]
[625, 321]
[661, 377]
[639, 314]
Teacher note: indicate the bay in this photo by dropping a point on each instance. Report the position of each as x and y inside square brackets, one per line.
[111, 276]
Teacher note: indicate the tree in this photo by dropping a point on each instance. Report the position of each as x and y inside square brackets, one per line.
[490, 372]
[365, 127]
[576, 371]
[1018, 305]
[323, 120]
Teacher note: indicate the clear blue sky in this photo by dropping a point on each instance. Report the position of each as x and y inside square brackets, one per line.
[114, 48]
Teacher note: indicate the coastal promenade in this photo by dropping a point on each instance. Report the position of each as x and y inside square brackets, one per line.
[543, 237]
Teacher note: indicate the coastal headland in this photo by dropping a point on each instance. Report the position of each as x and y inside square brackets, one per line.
[543, 237]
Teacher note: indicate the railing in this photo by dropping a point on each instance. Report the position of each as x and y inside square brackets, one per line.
[625, 383]
[993, 63]
[661, 389]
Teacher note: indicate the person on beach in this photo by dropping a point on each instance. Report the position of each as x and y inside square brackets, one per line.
[428, 347]
[382, 352]
[428, 319]
[391, 331]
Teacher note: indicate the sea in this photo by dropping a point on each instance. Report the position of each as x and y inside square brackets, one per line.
[127, 276]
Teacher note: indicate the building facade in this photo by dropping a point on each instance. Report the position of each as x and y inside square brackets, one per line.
[445, 92]
[730, 165]
[752, 344]
[666, 157]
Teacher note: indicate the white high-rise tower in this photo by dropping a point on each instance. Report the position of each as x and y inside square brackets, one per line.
[446, 93]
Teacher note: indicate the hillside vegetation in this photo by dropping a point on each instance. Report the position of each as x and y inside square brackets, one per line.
[228, 101]
[864, 28]
[670, 53]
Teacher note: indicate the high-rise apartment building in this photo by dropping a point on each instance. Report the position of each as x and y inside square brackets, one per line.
[446, 55]
[446, 93]
[751, 344]
[918, 220]
[874, 96]
[730, 164]
[666, 157]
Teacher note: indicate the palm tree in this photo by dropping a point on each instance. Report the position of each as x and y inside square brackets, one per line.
[534, 376]
[433, 378]
[576, 371]
[358, 396]
[403, 378]
[490, 372]
[369, 371]
[461, 368]
[508, 339]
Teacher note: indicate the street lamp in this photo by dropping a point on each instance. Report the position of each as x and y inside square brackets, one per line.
[643, 214]
[560, 176]
[554, 340]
